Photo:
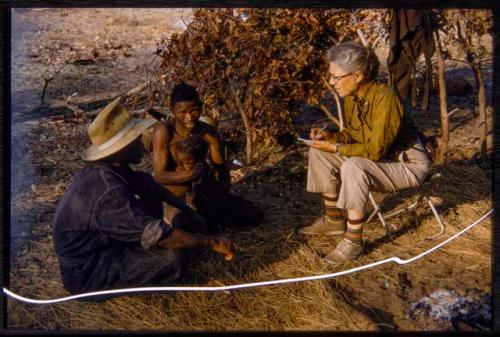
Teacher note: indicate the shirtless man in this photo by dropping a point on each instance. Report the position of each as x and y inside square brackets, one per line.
[192, 155]
[225, 207]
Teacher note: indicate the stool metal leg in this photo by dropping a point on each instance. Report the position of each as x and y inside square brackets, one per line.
[438, 218]
[376, 208]
[380, 216]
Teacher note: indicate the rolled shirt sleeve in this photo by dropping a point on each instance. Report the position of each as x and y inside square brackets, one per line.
[341, 137]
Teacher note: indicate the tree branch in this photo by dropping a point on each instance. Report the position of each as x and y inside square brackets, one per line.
[362, 37]
[329, 114]
[244, 117]
[337, 101]
[47, 80]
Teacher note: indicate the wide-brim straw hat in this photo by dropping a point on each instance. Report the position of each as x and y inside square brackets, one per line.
[113, 129]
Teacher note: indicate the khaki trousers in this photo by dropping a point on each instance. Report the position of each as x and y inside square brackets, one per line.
[354, 177]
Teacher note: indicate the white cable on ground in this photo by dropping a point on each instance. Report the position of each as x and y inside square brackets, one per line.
[248, 285]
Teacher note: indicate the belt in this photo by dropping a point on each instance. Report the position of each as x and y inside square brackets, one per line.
[417, 146]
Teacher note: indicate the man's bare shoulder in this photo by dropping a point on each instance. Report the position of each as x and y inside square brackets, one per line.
[162, 133]
[163, 129]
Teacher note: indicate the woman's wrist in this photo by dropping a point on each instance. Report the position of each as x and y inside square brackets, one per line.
[331, 136]
[337, 148]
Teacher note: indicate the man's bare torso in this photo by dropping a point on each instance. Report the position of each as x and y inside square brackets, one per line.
[175, 163]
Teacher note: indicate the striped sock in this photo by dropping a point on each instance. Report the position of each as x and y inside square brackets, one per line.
[331, 210]
[355, 230]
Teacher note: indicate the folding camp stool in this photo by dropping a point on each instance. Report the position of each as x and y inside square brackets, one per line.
[423, 196]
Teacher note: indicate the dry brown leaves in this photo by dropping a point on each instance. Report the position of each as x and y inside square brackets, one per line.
[257, 62]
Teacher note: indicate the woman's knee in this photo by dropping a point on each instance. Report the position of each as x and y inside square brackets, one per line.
[315, 154]
[353, 166]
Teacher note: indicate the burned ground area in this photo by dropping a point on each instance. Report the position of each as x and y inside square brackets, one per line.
[68, 63]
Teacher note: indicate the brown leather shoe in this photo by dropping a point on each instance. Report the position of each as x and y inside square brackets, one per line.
[326, 226]
[345, 251]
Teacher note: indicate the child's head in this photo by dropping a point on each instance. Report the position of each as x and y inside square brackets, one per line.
[191, 151]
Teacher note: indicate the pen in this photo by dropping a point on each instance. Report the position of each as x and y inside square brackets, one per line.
[321, 130]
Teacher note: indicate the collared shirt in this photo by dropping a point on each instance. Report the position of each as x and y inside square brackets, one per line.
[104, 210]
[376, 125]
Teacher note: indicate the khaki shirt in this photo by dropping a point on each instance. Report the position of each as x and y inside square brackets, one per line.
[376, 126]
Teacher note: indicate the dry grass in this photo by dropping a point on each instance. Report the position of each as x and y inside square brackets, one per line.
[46, 156]
[370, 300]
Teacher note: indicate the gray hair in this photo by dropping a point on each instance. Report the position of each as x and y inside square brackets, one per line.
[352, 56]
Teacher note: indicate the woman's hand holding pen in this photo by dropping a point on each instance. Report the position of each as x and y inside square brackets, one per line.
[319, 134]
[319, 140]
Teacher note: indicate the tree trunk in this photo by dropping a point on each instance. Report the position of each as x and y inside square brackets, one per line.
[329, 115]
[443, 147]
[427, 87]
[481, 103]
[337, 101]
[246, 123]
[414, 89]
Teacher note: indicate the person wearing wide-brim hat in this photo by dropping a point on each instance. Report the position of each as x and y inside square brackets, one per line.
[108, 230]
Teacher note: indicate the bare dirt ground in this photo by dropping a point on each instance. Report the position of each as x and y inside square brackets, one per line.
[93, 53]
[113, 48]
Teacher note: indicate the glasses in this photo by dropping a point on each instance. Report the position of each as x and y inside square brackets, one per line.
[338, 78]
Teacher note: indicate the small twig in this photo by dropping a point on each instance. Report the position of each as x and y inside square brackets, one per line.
[50, 79]
[452, 112]
[70, 97]
[335, 42]
[214, 81]
[135, 90]
[343, 37]
[76, 110]
[354, 19]
[374, 44]
[457, 60]
[65, 104]
[244, 117]
[241, 22]
[228, 16]
[337, 100]
[247, 77]
[182, 19]
[329, 114]
[362, 37]
[38, 243]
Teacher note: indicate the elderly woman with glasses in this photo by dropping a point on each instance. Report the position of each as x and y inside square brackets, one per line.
[378, 150]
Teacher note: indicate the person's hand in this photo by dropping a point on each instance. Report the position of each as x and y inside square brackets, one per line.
[188, 174]
[179, 239]
[223, 246]
[224, 179]
[322, 145]
[200, 171]
[183, 173]
[317, 133]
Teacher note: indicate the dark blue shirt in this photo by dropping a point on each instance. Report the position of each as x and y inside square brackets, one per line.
[104, 211]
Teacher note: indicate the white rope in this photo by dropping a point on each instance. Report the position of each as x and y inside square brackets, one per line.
[248, 285]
